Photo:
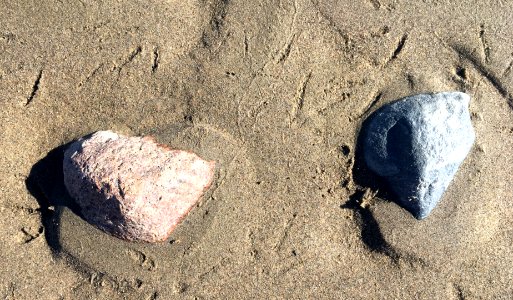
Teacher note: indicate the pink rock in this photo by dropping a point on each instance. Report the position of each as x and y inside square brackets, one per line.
[133, 187]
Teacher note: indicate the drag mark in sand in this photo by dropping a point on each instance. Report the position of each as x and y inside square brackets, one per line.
[30, 236]
[35, 88]
[285, 52]
[486, 73]
[507, 71]
[373, 103]
[343, 98]
[136, 52]
[332, 24]
[300, 98]
[484, 44]
[156, 60]
[91, 75]
[246, 45]
[398, 49]
[285, 233]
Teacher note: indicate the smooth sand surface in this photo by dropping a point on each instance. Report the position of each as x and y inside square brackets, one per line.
[275, 92]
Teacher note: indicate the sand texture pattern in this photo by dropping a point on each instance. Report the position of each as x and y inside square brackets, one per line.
[275, 92]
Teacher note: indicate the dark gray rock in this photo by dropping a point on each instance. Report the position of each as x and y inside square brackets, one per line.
[417, 144]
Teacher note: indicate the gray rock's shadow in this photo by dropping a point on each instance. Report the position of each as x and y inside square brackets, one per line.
[365, 178]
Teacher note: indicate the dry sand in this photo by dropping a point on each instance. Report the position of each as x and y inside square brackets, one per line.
[275, 92]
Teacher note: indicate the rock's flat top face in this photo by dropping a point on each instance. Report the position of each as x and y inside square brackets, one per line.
[133, 187]
[417, 144]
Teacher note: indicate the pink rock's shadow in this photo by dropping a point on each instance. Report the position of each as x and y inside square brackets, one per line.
[46, 183]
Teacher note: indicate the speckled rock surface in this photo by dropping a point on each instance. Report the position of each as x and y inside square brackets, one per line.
[132, 187]
[417, 144]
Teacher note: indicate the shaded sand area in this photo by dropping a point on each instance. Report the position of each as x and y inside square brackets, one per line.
[275, 92]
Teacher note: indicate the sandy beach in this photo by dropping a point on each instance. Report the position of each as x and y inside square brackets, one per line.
[275, 92]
